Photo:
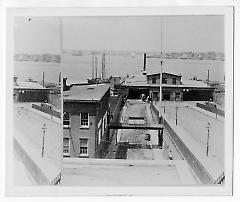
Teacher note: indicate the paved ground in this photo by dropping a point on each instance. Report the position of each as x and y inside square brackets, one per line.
[191, 127]
[22, 177]
[137, 108]
[28, 131]
[29, 125]
[115, 172]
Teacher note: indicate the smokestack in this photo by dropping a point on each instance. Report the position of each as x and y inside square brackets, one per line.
[144, 61]
[59, 79]
[15, 81]
[144, 64]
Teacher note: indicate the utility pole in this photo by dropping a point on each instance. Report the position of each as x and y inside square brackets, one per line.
[176, 115]
[164, 107]
[208, 130]
[43, 142]
[160, 90]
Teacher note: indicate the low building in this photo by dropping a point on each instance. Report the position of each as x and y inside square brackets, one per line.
[174, 88]
[29, 91]
[85, 121]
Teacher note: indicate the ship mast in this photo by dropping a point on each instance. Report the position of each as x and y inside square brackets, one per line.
[103, 66]
[92, 67]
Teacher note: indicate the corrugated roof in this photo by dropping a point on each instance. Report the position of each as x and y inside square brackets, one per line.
[89, 93]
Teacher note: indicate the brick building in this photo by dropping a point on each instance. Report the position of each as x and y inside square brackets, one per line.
[86, 111]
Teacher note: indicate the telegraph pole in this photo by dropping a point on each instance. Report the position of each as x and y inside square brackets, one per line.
[176, 115]
[208, 130]
[43, 142]
[160, 90]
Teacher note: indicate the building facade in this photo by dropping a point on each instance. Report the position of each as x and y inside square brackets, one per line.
[167, 78]
[174, 88]
[86, 112]
[168, 92]
[26, 91]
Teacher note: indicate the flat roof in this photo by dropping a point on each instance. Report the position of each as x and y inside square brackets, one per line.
[86, 93]
[140, 81]
[123, 172]
[29, 85]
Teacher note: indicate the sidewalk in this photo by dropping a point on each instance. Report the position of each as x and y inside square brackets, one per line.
[211, 163]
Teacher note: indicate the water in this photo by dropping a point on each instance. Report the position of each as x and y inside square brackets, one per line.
[26, 69]
[78, 68]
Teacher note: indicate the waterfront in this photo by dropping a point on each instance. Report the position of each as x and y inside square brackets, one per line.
[78, 68]
[26, 69]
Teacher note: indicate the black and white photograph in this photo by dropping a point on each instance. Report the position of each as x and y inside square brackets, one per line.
[37, 101]
[147, 91]
[125, 103]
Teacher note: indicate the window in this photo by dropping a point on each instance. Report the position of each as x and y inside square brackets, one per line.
[164, 80]
[174, 81]
[66, 120]
[84, 123]
[154, 80]
[66, 146]
[83, 147]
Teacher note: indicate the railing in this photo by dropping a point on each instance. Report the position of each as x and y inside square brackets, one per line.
[154, 110]
[220, 179]
[197, 167]
[47, 110]
[117, 108]
[36, 173]
[211, 109]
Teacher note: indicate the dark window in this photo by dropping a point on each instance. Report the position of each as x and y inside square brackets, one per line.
[83, 147]
[84, 120]
[66, 119]
[174, 81]
[164, 80]
[154, 80]
[66, 146]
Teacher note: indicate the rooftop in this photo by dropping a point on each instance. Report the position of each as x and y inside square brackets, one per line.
[118, 172]
[89, 93]
[140, 80]
[169, 73]
[29, 85]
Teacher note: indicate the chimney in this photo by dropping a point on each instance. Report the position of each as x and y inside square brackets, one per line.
[144, 64]
[65, 87]
[15, 80]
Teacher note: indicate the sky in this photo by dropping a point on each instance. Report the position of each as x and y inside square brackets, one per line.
[179, 33]
[37, 36]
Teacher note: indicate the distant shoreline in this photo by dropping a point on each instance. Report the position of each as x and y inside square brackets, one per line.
[166, 55]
